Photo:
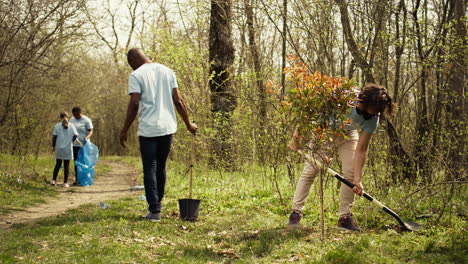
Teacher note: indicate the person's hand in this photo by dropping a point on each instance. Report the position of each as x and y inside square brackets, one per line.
[358, 188]
[53, 149]
[294, 144]
[123, 138]
[81, 144]
[192, 127]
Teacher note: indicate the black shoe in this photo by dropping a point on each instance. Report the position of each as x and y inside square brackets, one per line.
[152, 217]
[295, 218]
[346, 223]
[76, 183]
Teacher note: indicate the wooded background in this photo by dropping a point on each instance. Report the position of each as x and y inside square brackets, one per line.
[56, 54]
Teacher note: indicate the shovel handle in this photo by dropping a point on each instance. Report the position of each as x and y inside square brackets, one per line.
[351, 185]
[192, 158]
[336, 174]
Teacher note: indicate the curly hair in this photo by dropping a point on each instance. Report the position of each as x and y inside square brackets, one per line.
[377, 96]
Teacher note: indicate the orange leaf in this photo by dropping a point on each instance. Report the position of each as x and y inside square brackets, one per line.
[269, 83]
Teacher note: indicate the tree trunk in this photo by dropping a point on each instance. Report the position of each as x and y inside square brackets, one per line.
[256, 62]
[402, 164]
[456, 91]
[283, 49]
[358, 57]
[422, 119]
[221, 55]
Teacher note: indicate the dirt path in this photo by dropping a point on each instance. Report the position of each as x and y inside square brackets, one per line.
[112, 185]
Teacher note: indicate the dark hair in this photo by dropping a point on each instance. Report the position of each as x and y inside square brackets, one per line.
[64, 117]
[377, 96]
[76, 109]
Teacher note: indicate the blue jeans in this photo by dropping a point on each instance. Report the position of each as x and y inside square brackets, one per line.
[154, 153]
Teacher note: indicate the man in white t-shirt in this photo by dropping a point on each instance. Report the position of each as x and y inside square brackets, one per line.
[84, 127]
[153, 94]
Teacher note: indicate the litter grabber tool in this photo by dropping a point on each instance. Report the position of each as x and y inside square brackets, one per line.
[404, 225]
[189, 207]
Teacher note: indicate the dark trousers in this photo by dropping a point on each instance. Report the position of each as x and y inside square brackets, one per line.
[154, 153]
[75, 156]
[66, 169]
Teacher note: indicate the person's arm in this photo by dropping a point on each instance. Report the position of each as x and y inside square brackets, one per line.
[76, 140]
[54, 142]
[295, 143]
[89, 126]
[181, 107]
[132, 111]
[360, 157]
[90, 133]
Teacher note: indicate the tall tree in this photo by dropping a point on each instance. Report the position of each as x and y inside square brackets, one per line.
[457, 90]
[358, 55]
[221, 55]
[256, 63]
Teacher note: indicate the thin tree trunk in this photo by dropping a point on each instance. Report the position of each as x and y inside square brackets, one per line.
[422, 119]
[283, 51]
[257, 66]
[358, 57]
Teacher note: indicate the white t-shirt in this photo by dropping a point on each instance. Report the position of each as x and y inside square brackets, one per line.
[156, 112]
[82, 126]
[63, 145]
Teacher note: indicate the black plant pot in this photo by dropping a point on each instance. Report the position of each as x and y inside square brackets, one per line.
[189, 209]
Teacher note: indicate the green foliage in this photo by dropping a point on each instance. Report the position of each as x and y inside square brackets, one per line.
[241, 220]
[24, 182]
[317, 103]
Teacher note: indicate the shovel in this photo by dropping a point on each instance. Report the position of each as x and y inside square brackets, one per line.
[404, 225]
[189, 207]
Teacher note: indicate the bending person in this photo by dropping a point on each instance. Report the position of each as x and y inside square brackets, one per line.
[372, 103]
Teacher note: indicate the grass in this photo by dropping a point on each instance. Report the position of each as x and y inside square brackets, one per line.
[24, 182]
[242, 220]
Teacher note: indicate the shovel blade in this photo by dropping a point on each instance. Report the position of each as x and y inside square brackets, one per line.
[411, 226]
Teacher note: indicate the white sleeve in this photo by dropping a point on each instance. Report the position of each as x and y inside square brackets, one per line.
[89, 124]
[174, 81]
[75, 133]
[133, 85]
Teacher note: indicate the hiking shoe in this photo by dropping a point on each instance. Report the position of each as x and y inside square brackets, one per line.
[53, 182]
[66, 185]
[76, 183]
[294, 218]
[153, 217]
[346, 223]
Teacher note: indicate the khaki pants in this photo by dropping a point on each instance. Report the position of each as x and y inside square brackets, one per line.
[346, 149]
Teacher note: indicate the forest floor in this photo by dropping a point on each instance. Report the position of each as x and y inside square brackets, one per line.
[112, 185]
[242, 220]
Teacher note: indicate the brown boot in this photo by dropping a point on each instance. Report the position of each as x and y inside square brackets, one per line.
[295, 218]
[346, 223]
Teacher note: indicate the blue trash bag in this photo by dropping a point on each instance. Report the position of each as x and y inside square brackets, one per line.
[87, 157]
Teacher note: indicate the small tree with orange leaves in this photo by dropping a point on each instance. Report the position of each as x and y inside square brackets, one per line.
[318, 103]
[318, 106]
